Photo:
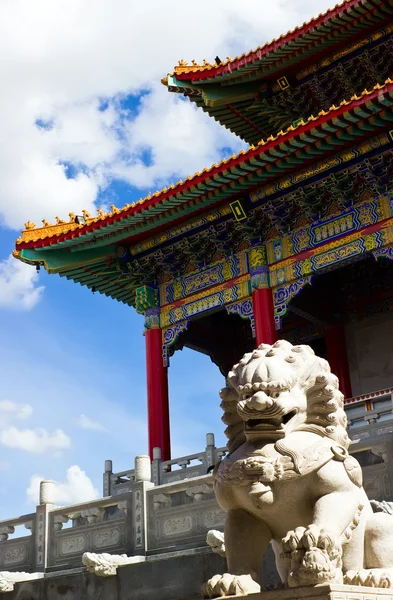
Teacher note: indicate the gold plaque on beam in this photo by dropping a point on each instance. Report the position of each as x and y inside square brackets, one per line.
[283, 83]
[238, 210]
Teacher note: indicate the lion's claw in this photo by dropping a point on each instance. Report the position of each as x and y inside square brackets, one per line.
[230, 585]
[306, 538]
[292, 540]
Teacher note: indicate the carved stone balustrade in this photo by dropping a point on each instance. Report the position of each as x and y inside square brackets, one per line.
[198, 492]
[181, 514]
[17, 553]
[92, 515]
[185, 467]
[161, 501]
[5, 532]
[59, 521]
[98, 526]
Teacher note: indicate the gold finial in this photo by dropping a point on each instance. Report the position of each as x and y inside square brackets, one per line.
[206, 63]
[100, 212]
[115, 210]
[228, 58]
[59, 221]
[72, 216]
[86, 214]
[194, 62]
[29, 225]
[182, 63]
[46, 223]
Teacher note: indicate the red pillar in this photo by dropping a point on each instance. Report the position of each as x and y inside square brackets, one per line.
[336, 350]
[157, 395]
[265, 327]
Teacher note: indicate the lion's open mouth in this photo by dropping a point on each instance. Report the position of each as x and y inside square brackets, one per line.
[270, 424]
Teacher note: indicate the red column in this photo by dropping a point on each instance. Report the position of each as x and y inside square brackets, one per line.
[157, 395]
[336, 350]
[265, 327]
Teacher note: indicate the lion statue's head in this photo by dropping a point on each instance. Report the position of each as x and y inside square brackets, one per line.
[279, 389]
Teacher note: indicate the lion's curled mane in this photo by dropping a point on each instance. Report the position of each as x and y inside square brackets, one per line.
[325, 413]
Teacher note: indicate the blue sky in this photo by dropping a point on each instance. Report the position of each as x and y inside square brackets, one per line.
[87, 123]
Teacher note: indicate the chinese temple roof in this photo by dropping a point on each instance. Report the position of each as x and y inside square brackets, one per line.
[263, 90]
[87, 252]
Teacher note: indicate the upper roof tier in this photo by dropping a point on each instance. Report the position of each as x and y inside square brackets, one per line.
[328, 59]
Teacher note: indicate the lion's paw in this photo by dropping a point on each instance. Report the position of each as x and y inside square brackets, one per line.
[307, 538]
[293, 539]
[382, 578]
[230, 585]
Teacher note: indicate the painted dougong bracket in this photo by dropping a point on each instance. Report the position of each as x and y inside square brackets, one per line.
[284, 294]
[244, 309]
[384, 253]
[169, 337]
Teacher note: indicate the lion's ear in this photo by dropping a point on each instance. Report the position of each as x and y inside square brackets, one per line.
[235, 429]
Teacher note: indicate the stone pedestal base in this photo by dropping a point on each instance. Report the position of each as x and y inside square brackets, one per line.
[323, 592]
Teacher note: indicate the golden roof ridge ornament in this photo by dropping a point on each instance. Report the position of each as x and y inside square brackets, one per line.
[184, 67]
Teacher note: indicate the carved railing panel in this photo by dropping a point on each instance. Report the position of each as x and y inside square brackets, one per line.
[17, 553]
[180, 514]
[99, 526]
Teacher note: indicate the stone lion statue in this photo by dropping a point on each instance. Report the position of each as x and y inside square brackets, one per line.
[288, 479]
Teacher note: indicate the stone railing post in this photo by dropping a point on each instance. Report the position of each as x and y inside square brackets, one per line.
[139, 505]
[210, 451]
[47, 503]
[155, 466]
[107, 479]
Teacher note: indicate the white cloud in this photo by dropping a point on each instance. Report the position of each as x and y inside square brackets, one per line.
[76, 488]
[12, 410]
[85, 422]
[178, 138]
[18, 289]
[37, 441]
[62, 61]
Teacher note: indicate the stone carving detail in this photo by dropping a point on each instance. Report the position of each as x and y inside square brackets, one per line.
[105, 565]
[386, 507]
[59, 521]
[5, 532]
[109, 537]
[72, 545]
[215, 539]
[214, 518]
[93, 514]
[8, 580]
[15, 555]
[231, 585]
[198, 492]
[177, 525]
[161, 501]
[290, 480]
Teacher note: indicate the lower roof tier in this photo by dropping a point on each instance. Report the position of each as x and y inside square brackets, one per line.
[303, 176]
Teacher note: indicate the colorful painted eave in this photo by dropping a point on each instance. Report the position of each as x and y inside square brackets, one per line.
[319, 34]
[351, 121]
